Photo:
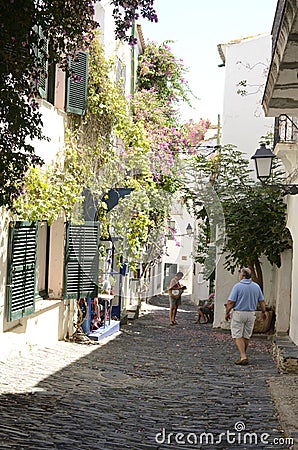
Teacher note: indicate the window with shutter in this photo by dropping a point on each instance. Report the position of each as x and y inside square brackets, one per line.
[51, 80]
[120, 74]
[81, 260]
[41, 61]
[21, 269]
[171, 229]
[76, 95]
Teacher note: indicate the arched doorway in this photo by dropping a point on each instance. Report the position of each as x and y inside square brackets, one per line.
[284, 292]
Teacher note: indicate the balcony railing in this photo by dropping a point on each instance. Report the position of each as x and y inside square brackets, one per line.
[285, 129]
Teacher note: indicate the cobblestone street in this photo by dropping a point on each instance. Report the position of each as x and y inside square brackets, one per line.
[149, 381]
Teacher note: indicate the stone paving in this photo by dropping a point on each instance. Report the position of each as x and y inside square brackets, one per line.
[151, 387]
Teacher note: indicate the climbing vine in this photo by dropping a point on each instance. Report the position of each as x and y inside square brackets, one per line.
[52, 190]
[160, 70]
[34, 35]
[120, 142]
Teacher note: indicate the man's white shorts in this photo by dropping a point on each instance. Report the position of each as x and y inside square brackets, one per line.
[242, 324]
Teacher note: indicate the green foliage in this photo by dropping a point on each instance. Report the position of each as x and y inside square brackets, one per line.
[161, 87]
[23, 56]
[161, 71]
[34, 34]
[255, 214]
[51, 190]
[140, 220]
[110, 147]
[127, 11]
[114, 149]
[256, 226]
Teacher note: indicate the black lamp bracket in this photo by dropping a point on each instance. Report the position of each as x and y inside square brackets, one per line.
[287, 189]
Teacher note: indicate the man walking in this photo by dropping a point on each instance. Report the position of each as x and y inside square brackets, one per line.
[244, 299]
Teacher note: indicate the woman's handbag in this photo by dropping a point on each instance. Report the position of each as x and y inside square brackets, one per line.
[176, 293]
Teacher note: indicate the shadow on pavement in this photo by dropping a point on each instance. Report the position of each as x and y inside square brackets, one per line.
[145, 387]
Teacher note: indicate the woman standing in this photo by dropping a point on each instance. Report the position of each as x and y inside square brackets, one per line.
[175, 292]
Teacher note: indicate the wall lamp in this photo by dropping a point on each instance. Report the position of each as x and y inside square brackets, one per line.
[189, 231]
[263, 160]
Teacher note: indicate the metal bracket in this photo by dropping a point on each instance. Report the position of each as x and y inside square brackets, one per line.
[287, 189]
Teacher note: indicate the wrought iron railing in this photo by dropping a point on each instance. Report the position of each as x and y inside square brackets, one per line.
[285, 129]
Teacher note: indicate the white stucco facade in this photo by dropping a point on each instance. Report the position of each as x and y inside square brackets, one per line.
[53, 318]
[179, 250]
[49, 322]
[280, 100]
[288, 291]
[54, 130]
[243, 125]
[178, 254]
[243, 120]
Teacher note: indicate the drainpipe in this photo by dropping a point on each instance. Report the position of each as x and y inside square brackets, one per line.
[132, 62]
[218, 130]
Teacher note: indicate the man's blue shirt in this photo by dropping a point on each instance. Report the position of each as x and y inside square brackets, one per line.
[246, 294]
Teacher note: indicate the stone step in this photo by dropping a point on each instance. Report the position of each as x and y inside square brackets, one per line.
[286, 354]
[133, 312]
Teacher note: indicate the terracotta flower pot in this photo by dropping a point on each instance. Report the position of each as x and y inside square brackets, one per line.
[261, 325]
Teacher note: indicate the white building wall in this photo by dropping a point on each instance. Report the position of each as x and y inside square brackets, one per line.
[200, 289]
[155, 286]
[243, 124]
[4, 225]
[115, 48]
[293, 227]
[103, 15]
[284, 293]
[243, 121]
[53, 319]
[44, 327]
[179, 250]
[56, 259]
[53, 129]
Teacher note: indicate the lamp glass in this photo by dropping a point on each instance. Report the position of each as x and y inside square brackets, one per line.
[189, 229]
[263, 167]
[263, 160]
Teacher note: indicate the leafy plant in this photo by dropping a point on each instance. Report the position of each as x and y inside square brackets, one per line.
[34, 33]
[127, 11]
[255, 214]
[161, 71]
[49, 191]
[111, 147]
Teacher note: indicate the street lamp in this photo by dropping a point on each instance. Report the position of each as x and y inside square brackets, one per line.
[263, 161]
[189, 230]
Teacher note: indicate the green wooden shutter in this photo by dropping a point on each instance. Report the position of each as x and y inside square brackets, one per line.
[76, 93]
[81, 260]
[21, 269]
[42, 62]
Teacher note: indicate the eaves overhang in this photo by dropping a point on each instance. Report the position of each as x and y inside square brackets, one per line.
[281, 90]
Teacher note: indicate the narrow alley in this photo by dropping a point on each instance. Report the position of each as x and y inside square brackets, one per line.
[152, 387]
